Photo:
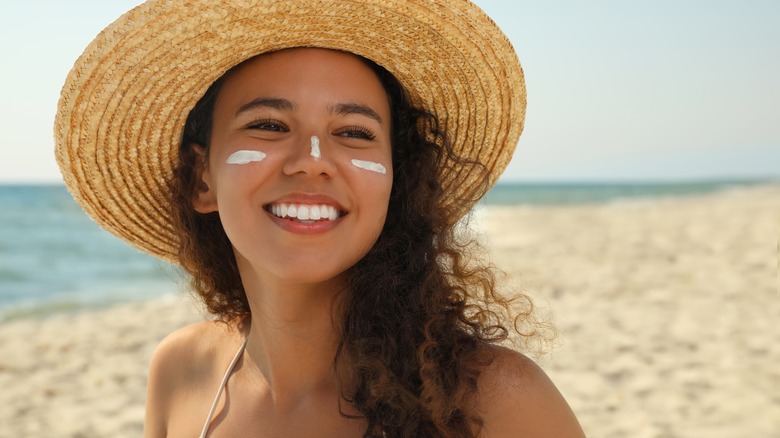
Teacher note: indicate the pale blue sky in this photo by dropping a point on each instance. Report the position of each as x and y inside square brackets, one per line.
[617, 90]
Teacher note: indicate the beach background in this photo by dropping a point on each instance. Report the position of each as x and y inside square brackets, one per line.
[641, 212]
[665, 298]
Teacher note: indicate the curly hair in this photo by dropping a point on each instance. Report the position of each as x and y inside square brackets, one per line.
[419, 307]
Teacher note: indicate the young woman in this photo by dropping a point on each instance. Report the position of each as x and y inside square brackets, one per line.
[311, 189]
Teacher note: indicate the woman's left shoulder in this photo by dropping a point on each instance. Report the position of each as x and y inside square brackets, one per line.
[515, 397]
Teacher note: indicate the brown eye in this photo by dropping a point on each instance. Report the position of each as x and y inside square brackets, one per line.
[267, 125]
[356, 132]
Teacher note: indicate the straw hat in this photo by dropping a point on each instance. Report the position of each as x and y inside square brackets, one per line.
[123, 106]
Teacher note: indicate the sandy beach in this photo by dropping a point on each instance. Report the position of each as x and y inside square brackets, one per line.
[667, 313]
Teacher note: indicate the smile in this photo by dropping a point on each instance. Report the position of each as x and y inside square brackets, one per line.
[306, 213]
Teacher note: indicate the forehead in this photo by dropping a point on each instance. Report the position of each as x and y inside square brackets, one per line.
[297, 72]
[301, 55]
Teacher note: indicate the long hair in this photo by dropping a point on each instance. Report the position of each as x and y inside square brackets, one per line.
[418, 307]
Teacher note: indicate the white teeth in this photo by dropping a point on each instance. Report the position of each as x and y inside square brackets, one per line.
[304, 212]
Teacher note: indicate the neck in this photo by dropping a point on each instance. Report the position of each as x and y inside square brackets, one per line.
[293, 337]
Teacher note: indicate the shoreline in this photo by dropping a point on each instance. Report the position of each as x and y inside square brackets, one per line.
[665, 311]
[66, 304]
[54, 307]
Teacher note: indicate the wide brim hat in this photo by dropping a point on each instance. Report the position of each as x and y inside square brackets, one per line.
[123, 106]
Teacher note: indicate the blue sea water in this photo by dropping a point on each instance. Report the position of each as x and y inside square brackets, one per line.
[594, 192]
[54, 258]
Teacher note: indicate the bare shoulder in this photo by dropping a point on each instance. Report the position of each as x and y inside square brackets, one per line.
[183, 366]
[515, 397]
[188, 351]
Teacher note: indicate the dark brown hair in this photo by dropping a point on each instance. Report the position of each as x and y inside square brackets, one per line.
[419, 309]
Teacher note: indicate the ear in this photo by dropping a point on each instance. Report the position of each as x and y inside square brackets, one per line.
[204, 197]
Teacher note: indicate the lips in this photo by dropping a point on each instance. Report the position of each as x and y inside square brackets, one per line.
[307, 213]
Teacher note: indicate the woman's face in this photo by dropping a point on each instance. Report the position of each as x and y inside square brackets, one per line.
[299, 166]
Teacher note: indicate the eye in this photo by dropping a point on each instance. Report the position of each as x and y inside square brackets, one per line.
[356, 132]
[267, 125]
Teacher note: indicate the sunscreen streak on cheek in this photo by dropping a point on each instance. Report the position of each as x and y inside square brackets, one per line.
[245, 157]
[315, 147]
[370, 165]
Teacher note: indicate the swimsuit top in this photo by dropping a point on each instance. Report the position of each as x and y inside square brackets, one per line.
[229, 371]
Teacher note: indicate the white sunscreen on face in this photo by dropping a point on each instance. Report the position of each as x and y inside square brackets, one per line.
[370, 165]
[315, 147]
[245, 157]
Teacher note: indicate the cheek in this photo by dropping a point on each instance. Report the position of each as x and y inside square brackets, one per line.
[240, 163]
[239, 177]
[369, 166]
[245, 156]
[374, 189]
[370, 175]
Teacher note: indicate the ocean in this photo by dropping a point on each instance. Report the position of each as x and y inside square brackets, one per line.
[53, 258]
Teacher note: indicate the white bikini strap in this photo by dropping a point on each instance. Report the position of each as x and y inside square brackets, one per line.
[205, 430]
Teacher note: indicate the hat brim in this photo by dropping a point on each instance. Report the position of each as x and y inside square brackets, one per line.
[124, 103]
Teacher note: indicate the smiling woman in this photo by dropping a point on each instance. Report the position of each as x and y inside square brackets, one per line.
[309, 175]
[294, 96]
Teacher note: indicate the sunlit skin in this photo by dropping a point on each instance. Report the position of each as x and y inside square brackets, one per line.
[314, 83]
[293, 272]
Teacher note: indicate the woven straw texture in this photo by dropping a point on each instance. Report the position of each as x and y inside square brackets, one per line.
[124, 103]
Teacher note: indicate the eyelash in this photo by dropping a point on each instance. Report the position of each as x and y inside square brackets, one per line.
[278, 126]
[263, 124]
[363, 132]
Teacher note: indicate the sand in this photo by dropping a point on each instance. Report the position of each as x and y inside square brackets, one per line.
[667, 313]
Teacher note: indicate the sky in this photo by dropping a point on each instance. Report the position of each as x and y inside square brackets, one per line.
[618, 90]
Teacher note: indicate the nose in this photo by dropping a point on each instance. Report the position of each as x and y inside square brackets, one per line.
[310, 156]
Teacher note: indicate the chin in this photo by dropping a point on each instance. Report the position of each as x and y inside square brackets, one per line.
[300, 273]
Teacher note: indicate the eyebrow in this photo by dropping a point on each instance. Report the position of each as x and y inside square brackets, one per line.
[285, 105]
[355, 108]
[267, 102]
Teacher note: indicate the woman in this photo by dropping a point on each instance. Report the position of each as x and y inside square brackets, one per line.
[314, 190]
